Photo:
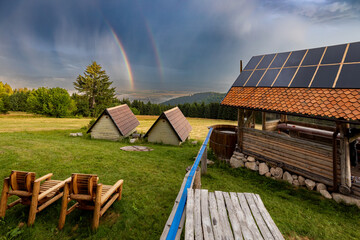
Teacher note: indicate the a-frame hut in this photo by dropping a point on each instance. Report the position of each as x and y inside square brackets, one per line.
[114, 124]
[321, 83]
[170, 128]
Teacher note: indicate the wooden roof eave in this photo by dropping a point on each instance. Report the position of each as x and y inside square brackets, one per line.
[356, 122]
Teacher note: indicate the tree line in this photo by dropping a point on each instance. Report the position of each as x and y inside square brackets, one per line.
[94, 95]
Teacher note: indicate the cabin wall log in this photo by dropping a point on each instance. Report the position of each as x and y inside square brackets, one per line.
[311, 160]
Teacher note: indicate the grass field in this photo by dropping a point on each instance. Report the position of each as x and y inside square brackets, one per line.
[18, 122]
[151, 183]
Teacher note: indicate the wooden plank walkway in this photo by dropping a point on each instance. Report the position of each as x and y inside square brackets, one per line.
[220, 215]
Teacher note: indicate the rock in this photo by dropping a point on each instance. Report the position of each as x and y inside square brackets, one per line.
[345, 199]
[194, 142]
[268, 174]
[296, 183]
[209, 162]
[325, 194]
[252, 166]
[263, 169]
[251, 159]
[320, 186]
[79, 134]
[234, 163]
[238, 154]
[287, 177]
[310, 184]
[301, 180]
[294, 177]
[257, 163]
[73, 134]
[136, 135]
[133, 140]
[277, 172]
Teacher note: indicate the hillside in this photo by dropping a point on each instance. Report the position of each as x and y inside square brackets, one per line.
[206, 97]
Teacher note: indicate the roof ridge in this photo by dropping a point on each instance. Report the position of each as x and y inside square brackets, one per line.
[170, 110]
[112, 108]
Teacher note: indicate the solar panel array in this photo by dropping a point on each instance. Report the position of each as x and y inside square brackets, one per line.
[326, 67]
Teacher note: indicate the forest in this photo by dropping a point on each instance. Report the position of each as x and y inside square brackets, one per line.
[57, 102]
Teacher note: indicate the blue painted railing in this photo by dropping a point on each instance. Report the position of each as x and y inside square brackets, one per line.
[180, 209]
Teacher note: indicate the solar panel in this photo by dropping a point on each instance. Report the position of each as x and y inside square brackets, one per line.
[349, 76]
[295, 58]
[285, 77]
[353, 54]
[303, 77]
[253, 62]
[277, 70]
[313, 56]
[269, 78]
[334, 54]
[265, 62]
[325, 76]
[279, 60]
[242, 78]
[254, 79]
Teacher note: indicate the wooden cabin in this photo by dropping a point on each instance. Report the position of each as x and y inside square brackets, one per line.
[170, 128]
[114, 124]
[321, 84]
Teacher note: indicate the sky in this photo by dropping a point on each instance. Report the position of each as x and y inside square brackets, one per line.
[188, 45]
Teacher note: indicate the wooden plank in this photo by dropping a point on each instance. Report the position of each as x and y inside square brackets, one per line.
[267, 218]
[197, 216]
[189, 225]
[247, 234]
[215, 219]
[259, 220]
[181, 225]
[249, 218]
[206, 223]
[223, 216]
[235, 224]
[173, 211]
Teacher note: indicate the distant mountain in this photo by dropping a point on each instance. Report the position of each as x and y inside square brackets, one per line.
[206, 97]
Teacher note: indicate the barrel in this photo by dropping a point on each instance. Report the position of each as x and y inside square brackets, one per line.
[223, 140]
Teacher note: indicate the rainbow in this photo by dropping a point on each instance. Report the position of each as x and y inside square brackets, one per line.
[155, 48]
[125, 57]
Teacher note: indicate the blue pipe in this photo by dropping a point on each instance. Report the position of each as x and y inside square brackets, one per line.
[180, 209]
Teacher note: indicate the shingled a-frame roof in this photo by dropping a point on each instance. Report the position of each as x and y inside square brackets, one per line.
[177, 121]
[122, 117]
[321, 83]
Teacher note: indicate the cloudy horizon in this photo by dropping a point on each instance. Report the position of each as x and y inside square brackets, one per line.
[160, 45]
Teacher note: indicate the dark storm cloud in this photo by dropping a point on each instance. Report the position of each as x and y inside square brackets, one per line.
[198, 43]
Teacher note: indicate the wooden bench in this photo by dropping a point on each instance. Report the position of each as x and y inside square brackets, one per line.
[208, 215]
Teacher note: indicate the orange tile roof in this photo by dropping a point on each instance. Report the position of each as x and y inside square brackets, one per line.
[317, 102]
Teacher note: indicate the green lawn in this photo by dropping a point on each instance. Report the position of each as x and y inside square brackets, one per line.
[151, 183]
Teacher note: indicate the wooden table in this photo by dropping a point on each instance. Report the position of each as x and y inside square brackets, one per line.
[208, 215]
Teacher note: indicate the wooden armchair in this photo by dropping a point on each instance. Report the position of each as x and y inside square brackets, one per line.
[31, 192]
[89, 195]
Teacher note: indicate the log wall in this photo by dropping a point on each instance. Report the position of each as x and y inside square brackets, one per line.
[309, 159]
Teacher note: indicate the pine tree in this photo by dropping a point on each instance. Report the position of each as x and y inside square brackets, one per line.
[96, 86]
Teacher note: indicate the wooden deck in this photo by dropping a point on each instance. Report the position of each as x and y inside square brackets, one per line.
[208, 215]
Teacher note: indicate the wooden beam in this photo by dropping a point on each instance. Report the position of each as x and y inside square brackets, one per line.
[263, 120]
[345, 160]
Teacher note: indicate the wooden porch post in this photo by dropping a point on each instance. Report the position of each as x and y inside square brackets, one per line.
[345, 159]
[240, 129]
[263, 121]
